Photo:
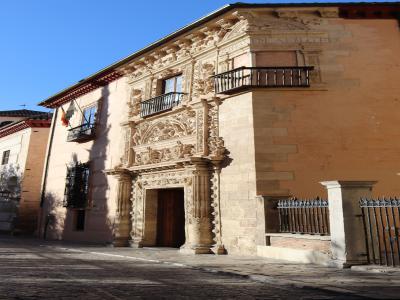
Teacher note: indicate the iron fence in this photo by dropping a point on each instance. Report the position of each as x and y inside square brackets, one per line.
[381, 219]
[309, 216]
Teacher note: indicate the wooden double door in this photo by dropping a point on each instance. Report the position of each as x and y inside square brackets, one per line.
[170, 218]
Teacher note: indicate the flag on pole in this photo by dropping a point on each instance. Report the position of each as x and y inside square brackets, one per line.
[64, 119]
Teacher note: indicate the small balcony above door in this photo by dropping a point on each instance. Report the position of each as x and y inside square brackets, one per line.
[160, 104]
[243, 78]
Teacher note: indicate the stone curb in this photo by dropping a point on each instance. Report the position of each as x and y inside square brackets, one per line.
[257, 278]
[376, 269]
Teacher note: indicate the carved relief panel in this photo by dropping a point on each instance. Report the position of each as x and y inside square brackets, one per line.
[203, 83]
[165, 139]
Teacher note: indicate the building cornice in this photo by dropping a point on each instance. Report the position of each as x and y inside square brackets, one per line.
[351, 10]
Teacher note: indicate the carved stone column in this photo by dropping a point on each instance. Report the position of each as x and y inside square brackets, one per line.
[218, 247]
[123, 220]
[198, 211]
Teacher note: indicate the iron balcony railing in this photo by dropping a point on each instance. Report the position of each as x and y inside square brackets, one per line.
[81, 133]
[160, 103]
[261, 77]
[304, 216]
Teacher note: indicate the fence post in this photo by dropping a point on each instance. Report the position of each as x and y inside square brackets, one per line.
[267, 217]
[346, 224]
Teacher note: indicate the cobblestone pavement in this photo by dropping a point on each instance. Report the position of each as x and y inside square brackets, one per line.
[32, 269]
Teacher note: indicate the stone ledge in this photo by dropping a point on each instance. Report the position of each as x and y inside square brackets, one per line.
[376, 269]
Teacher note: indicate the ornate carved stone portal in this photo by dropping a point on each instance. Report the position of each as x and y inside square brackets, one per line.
[170, 151]
[181, 147]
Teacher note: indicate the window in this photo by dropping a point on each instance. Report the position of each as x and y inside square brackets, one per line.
[77, 186]
[172, 84]
[80, 220]
[6, 157]
[89, 114]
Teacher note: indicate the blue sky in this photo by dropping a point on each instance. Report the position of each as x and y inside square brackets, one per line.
[47, 45]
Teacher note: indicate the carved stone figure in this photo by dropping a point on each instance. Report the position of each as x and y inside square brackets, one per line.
[134, 102]
[216, 147]
[153, 156]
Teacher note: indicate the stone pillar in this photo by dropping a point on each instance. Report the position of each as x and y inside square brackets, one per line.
[267, 217]
[346, 224]
[122, 219]
[198, 211]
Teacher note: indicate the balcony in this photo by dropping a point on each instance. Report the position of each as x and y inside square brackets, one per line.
[160, 103]
[239, 79]
[82, 133]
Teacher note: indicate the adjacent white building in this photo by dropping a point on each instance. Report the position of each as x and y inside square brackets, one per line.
[23, 141]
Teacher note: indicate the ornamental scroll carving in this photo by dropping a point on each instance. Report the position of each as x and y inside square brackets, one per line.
[285, 21]
[236, 30]
[154, 156]
[178, 125]
[203, 83]
[216, 144]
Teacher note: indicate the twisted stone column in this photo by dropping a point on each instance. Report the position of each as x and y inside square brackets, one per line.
[123, 220]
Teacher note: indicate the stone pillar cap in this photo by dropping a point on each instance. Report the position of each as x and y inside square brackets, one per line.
[348, 183]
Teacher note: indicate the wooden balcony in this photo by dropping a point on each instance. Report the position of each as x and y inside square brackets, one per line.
[82, 133]
[243, 78]
[160, 104]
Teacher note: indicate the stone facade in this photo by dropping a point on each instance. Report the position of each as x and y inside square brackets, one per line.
[224, 150]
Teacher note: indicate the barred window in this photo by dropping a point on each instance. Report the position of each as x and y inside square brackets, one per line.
[6, 157]
[77, 186]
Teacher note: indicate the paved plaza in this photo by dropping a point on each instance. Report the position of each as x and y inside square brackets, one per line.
[34, 269]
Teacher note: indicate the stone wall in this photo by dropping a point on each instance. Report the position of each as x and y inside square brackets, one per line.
[342, 128]
[238, 188]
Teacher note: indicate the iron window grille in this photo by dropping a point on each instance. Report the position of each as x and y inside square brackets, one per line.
[6, 157]
[77, 186]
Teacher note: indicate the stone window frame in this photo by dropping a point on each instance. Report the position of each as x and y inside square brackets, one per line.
[156, 82]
